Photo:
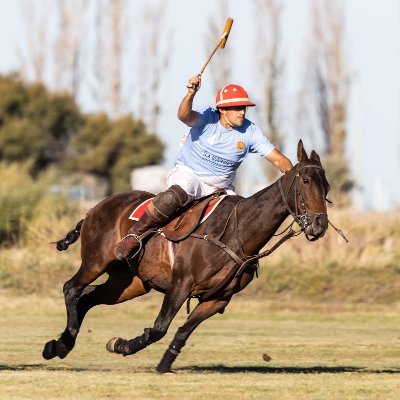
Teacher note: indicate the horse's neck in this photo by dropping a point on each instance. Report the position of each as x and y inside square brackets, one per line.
[259, 217]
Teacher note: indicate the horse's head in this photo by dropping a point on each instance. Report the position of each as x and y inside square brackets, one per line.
[306, 194]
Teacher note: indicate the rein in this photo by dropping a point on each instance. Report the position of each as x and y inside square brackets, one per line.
[303, 219]
[240, 263]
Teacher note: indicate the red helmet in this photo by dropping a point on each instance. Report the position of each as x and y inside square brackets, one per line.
[231, 96]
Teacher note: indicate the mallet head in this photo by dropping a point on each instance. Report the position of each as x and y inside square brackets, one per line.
[226, 32]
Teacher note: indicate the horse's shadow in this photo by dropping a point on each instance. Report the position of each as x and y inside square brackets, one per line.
[223, 369]
[44, 367]
[218, 369]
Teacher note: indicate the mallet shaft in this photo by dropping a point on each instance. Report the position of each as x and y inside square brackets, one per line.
[221, 44]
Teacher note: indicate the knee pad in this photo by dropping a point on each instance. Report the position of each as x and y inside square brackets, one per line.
[167, 203]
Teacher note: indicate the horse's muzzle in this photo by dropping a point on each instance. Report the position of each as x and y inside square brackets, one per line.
[317, 226]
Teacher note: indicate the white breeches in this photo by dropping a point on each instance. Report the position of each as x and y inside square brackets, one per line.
[193, 185]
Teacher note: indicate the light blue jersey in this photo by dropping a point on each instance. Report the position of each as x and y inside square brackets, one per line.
[214, 152]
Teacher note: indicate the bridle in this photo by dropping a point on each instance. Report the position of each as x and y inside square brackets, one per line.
[300, 215]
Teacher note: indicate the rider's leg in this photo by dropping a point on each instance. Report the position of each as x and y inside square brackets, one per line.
[160, 210]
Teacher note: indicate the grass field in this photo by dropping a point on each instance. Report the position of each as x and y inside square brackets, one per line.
[317, 351]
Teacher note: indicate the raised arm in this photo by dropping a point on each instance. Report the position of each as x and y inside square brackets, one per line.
[185, 112]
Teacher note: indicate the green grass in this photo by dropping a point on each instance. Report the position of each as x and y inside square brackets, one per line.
[317, 351]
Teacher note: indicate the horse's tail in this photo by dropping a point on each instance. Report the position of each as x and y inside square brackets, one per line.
[71, 237]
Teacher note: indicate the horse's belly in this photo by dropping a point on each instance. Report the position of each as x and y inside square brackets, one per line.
[155, 266]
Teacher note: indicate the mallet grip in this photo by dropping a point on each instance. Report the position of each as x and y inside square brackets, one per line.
[191, 85]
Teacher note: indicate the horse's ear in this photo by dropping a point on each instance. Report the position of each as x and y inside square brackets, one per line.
[315, 156]
[301, 153]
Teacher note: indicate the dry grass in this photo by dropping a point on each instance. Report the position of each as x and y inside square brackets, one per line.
[320, 353]
[374, 240]
[365, 270]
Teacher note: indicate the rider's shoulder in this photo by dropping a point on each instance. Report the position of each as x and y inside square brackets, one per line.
[208, 115]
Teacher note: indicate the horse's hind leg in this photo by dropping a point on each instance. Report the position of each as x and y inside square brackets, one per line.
[120, 286]
[199, 314]
[172, 302]
[73, 289]
[117, 289]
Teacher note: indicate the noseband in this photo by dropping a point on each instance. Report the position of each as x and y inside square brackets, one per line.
[301, 216]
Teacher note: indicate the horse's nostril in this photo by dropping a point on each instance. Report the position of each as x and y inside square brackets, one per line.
[323, 220]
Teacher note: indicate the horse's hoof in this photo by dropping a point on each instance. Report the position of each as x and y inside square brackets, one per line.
[165, 371]
[50, 350]
[110, 346]
[55, 348]
[62, 349]
[169, 372]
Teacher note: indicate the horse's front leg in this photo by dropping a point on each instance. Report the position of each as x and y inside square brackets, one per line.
[173, 300]
[201, 312]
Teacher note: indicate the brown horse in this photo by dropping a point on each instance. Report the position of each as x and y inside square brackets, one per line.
[203, 262]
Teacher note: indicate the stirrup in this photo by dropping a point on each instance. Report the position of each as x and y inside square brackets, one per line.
[140, 242]
[140, 239]
[137, 251]
[137, 237]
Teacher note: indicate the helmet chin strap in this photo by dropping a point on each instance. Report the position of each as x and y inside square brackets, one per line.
[227, 121]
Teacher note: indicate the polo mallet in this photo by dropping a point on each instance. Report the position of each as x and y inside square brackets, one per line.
[221, 44]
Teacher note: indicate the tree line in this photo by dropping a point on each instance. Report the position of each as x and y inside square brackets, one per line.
[91, 50]
[48, 128]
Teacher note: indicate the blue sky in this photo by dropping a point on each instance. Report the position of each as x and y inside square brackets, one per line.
[373, 57]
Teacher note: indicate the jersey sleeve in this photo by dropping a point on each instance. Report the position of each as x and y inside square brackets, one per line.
[206, 116]
[260, 144]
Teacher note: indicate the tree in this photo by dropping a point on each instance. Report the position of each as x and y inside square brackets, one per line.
[268, 14]
[154, 58]
[327, 78]
[112, 148]
[114, 55]
[33, 54]
[34, 124]
[111, 38]
[47, 128]
[68, 45]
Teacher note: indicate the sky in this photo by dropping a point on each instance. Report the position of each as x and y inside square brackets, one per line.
[373, 58]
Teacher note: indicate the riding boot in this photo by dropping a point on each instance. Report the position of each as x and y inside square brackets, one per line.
[160, 210]
[132, 240]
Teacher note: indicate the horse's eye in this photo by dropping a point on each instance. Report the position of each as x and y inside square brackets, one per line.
[306, 181]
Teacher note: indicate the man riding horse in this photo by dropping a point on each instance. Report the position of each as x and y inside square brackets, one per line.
[217, 143]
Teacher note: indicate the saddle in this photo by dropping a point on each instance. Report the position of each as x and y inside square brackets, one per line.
[185, 223]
